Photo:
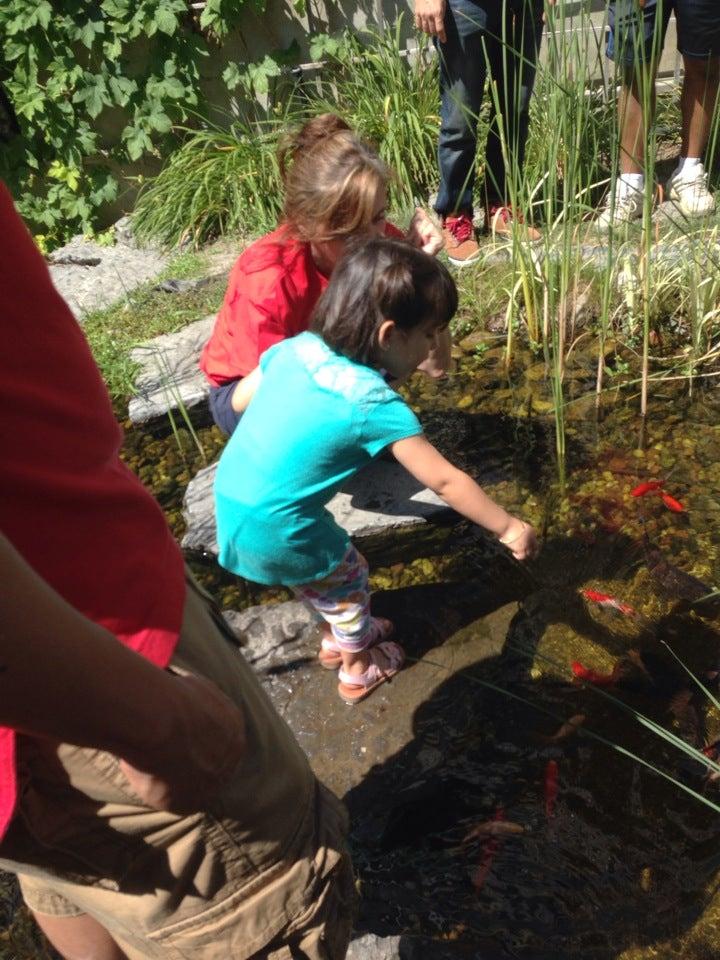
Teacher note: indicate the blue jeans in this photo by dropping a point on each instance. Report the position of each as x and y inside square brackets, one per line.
[502, 36]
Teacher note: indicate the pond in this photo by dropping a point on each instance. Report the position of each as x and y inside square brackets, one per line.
[525, 815]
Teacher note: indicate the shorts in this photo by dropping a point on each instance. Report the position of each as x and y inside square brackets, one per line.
[262, 872]
[632, 29]
[221, 407]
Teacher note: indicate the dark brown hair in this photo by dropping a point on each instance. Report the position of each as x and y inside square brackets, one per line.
[381, 279]
[331, 178]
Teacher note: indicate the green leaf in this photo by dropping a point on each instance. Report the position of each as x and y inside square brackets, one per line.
[43, 14]
[232, 78]
[173, 88]
[160, 121]
[166, 21]
[89, 31]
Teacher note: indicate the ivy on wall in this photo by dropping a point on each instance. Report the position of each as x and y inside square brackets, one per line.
[77, 71]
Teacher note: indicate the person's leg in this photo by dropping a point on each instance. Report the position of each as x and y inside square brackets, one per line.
[462, 79]
[224, 882]
[697, 103]
[79, 938]
[635, 42]
[342, 600]
[220, 400]
[636, 110]
[512, 60]
[698, 23]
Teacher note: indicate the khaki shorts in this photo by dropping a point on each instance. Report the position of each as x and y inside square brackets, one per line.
[263, 873]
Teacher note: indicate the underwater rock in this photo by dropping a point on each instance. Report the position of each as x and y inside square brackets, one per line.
[382, 498]
[274, 635]
[169, 375]
[371, 947]
[676, 582]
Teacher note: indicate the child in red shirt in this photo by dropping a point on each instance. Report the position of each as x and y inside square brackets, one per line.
[335, 188]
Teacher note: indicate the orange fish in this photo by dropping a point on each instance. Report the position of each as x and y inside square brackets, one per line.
[592, 676]
[650, 486]
[672, 504]
[605, 600]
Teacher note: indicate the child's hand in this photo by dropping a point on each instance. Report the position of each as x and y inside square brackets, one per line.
[423, 233]
[520, 539]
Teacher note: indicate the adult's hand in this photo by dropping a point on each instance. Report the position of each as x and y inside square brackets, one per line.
[64, 678]
[430, 18]
[423, 233]
[201, 744]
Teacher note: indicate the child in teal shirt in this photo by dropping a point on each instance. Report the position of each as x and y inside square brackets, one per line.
[321, 409]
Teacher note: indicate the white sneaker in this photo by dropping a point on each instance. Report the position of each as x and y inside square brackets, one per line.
[689, 192]
[620, 210]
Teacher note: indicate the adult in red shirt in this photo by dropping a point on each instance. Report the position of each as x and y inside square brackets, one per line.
[152, 803]
[335, 189]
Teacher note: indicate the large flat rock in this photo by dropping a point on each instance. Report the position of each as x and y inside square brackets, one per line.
[169, 374]
[90, 276]
[380, 499]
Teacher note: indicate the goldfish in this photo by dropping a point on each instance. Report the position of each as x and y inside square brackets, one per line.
[671, 503]
[592, 676]
[568, 728]
[605, 600]
[650, 486]
[494, 828]
[490, 849]
[551, 787]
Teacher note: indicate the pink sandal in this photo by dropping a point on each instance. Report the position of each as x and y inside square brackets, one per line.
[330, 656]
[353, 689]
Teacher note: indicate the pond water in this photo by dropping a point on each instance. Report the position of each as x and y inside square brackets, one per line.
[590, 852]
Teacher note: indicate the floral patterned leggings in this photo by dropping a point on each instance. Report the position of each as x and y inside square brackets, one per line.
[342, 600]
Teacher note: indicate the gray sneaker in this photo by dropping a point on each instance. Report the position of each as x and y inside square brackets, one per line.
[620, 210]
[689, 192]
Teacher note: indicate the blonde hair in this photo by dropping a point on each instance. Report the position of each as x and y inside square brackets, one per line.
[332, 180]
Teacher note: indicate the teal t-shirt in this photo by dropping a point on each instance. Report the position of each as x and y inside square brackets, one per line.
[314, 421]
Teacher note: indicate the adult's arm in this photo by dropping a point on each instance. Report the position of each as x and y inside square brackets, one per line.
[64, 678]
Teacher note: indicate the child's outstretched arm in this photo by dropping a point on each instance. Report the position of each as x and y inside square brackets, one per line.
[243, 392]
[460, 491]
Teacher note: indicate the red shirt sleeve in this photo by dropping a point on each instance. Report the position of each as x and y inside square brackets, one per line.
[395, 233]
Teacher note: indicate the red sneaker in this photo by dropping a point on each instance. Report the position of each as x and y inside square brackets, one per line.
[500, 221]
[459, 238]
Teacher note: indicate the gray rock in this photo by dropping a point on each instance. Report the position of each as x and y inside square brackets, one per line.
[274, 634]
[370, 947]
[169, 373]
[124, 235]
[187, 286]
[90, 276]
[382, 498]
